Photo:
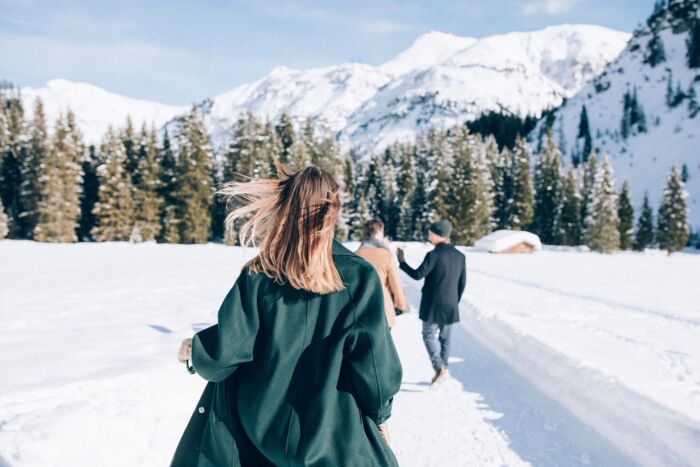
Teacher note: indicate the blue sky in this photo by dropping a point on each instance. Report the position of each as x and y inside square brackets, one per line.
[180, 51]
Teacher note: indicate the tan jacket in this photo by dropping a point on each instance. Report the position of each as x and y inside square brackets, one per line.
[385, 264]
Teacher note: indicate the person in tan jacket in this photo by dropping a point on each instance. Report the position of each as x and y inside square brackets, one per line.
[375, 250]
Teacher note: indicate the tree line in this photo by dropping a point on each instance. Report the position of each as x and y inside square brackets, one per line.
[146, 185]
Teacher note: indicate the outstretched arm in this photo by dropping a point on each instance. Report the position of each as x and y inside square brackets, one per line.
[422, 271]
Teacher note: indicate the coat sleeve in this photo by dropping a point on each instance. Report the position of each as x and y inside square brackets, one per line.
[218, 350]
[395, 286]
[423, 270]
[462, 281]
[373, 362]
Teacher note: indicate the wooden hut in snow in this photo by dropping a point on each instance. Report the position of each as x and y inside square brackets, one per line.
[509, 241]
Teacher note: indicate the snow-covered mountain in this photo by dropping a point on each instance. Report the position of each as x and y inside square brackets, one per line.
[660, 132]
[519, 73]
[96, 109]
[442, 79]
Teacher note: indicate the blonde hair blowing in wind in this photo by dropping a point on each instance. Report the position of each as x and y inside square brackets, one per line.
[292, 218]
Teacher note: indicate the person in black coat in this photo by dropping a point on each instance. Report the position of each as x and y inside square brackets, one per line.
[445, 273]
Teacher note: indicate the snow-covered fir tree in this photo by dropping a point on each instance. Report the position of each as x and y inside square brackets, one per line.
[625, 213]
[438, 160]
[521, 202]
[89, 194]
[420, 220]
[286, 136]
[548, 192]
[471, 196]
[34, 163]
[584, 144]
[499, 163]
[672, 230]
[59, 185]
[14, 149]
[655, 52]
[391, 201]
[114, 210]
[602, 222]
[131, 150]
[147, 202]
[570, 223]
[405, 182]
[195, 187]
[373, 188]
[588, 181]
[168, 188]
[645, 234]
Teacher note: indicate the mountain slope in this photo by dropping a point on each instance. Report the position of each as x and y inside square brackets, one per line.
[96, 109]
[648, 134]
[519, 73]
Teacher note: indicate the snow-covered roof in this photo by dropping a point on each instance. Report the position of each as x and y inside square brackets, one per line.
[501, 240]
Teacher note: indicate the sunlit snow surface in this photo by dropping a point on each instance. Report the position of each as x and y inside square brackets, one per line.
[562, 358]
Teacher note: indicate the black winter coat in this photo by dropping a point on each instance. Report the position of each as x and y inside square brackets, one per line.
[445, 272]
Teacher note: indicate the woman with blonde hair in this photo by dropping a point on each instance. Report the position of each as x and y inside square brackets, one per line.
[301, 367]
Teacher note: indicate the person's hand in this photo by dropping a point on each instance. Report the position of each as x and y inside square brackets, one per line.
[185, 352]
[400, 255]
[384, 432]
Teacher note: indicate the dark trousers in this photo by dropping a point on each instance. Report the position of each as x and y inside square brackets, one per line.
[437, 342]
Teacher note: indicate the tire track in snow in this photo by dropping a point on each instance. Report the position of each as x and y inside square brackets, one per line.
[610, 303]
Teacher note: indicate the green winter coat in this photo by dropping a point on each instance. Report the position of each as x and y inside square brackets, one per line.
[296, 378]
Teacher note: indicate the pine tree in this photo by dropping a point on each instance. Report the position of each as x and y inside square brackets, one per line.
[114, 210]
[470, 197]
[35, 161]
[285, 133]
[129, 140]
[437, 159]
[14, 151]
[521, 202]
[584, 132]
[373, 188]
[548, 193]
[644, 236]
[499, 162]
[147, 202]
[419, 221]
[168, 188]
[685, 175]
[602, 222]
[391, 201]
[655, 52]
[625, 213]
[405, 182]
[307, 142]
[693, 106]
[345, 219]
[693, 44]
[4, 228]
[60, 178]
[88, 194]
[672, 225]
[195, 185]
[587, 194]
[570, 211]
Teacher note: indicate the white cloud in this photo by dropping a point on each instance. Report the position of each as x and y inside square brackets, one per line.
[548, 7]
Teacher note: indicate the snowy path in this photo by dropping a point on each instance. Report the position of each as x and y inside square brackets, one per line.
[89, 377]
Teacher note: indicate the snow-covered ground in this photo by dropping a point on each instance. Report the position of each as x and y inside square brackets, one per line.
[562, 358]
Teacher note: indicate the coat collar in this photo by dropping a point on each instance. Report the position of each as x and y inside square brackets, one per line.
[340, 250]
